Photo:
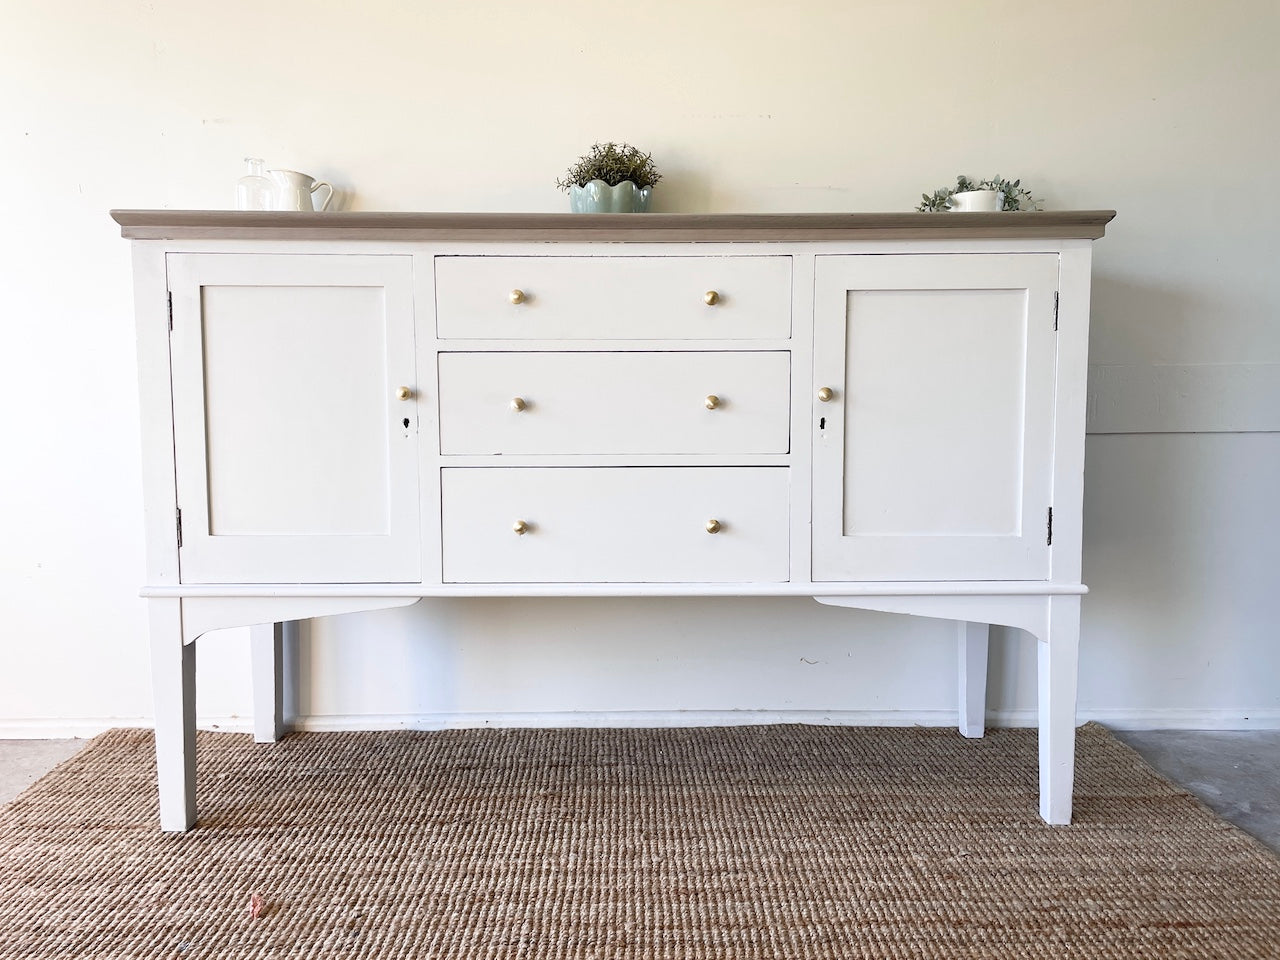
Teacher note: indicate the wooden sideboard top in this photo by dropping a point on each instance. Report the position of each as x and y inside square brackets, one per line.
[711, 227]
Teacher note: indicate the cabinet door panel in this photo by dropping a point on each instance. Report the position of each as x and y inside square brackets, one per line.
[293, 460]
[934, 458]
[293, 378]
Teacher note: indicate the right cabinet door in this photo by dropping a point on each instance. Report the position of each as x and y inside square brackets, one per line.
[933, 449]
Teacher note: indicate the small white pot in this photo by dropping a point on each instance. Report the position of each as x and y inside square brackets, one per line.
[974, 201]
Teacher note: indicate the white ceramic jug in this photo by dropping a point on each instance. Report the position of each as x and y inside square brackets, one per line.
[295, 191]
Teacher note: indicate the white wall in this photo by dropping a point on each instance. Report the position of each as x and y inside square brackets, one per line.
[1163, 110]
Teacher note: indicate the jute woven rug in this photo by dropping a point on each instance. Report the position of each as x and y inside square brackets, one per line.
[748, 842]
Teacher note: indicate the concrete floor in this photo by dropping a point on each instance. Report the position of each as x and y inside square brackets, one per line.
[1235, 773]
[23, 762]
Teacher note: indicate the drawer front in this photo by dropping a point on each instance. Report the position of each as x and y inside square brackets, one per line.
[613, 298]
[615, 524]
[598, 403]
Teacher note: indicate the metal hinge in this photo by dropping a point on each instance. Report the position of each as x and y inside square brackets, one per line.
[171, 312]
[179, 525]
[1055, 312]
[1049, 539]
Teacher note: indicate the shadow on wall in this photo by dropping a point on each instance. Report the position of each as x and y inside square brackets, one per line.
[1180, 552]
[1011, 670]
[682, 190]
[1136, 323]
[512, 655]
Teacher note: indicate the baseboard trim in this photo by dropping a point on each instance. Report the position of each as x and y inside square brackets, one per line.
[1174, 718]
[632, 718]
[1157, 719]
[65, 728]
[1119, 719]
[85, 728]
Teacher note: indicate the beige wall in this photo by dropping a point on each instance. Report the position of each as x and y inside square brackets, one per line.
[1164, 111]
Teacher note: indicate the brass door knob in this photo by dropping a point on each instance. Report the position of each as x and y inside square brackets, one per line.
[712, 402]
[520, 527]
[825, 394]
[517, 296]
[711, 298]
[518, 404]
[403, 393]
[713, 526]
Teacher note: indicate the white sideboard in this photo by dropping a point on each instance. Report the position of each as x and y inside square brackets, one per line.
[351, 411]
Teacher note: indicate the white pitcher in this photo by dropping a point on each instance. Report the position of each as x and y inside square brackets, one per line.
[296, 191]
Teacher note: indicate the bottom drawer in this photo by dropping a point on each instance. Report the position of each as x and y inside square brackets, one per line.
[615, 524]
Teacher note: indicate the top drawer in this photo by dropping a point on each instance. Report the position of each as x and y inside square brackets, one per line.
[613, 298]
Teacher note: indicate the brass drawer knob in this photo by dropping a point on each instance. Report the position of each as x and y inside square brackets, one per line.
[517, 296]
[520, 527]
[403, 393]
[713, 526]
[825, 394]
[518, 404]
[711, 298]
[712, 402]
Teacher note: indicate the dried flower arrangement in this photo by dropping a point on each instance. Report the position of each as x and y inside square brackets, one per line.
[614, 163]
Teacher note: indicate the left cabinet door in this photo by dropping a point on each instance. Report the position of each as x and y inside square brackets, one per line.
[296, 457]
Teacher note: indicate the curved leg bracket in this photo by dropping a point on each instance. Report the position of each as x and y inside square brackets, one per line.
[175, 625]
[1055, 623]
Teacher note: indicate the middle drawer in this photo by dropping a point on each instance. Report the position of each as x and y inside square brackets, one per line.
[614, 403]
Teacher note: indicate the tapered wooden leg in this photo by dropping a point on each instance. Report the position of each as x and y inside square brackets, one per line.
[972, 647]
[173, 680]
[1058, 670]
[266, 646]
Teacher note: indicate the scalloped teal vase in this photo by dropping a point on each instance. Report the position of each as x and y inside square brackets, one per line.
[598, 197]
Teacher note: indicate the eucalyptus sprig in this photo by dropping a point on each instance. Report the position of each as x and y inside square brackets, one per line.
[613, 163]
[937, 202]
[1015, 197]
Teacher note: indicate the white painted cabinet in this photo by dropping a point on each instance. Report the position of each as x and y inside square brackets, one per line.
[296, 461]
[933, 453]
[353, 411]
